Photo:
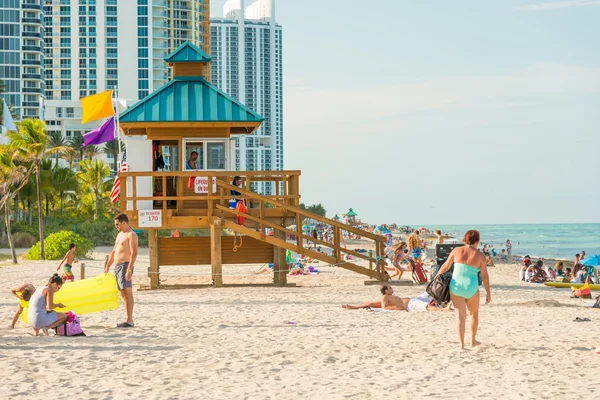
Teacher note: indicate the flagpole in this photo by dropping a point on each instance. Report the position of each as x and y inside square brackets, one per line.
[118, 129]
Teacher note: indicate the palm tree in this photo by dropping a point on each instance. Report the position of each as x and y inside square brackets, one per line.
[57, 141]
[92, 176]
[12, 179]
[90, 151]
[47, 187]
[77, 144]
[63, 181]
[70, 155]
[32, 143]
[112, 147]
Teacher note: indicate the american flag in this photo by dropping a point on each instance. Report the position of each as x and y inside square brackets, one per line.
[114, 193]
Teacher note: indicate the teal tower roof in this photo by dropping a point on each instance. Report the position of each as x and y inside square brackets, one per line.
[187, 52]
[189, 98]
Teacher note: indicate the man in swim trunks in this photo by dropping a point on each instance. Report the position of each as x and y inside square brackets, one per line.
[422, 302]
[68, 260]
[123, 256]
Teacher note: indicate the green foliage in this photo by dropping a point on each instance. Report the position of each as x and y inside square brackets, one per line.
[57, 245]
[315, 209]
[24, 227]
[100, 233]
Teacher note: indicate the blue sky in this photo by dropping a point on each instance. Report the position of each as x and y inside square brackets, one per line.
[444, 112]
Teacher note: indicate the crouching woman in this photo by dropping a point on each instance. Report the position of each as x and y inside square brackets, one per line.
[41, 307]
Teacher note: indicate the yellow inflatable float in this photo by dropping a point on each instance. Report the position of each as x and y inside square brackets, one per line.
[570, 285]
[85, 297]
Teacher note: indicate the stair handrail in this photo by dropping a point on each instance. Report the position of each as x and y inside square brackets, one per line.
[300, 211]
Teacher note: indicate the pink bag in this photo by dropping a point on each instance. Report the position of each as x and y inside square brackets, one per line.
[72, 327]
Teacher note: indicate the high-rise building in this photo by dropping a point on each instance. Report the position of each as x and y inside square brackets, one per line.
[22, 56]
[98, 45]
[247, 63]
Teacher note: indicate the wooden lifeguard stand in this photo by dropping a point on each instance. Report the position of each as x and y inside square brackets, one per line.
[187, 115]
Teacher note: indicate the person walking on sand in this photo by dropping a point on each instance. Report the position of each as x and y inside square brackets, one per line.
[123, 256]
[508, 249]
[464, 286]
[68, 260]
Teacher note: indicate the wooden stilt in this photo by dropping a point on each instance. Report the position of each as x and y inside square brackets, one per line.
[154, 268]
[215, 253]
[280, 266]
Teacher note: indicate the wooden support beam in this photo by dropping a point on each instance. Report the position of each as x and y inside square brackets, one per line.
[391, 283]
[215, 253]
[154, 268]
[280, 266]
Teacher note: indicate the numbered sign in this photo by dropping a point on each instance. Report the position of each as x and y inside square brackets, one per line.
[150, 218]
[201, 184]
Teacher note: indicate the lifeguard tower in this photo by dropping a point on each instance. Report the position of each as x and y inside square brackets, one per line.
[188, 114]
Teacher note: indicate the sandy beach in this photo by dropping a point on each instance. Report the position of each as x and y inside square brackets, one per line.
[297, 342]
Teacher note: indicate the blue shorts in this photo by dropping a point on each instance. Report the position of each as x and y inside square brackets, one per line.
[120, 271]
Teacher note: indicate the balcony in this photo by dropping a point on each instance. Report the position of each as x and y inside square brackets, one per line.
[32, 34]
[32, 48]
[36, 21]
[30, 104]
[160, 3]
[160, 14]
[32, 62]
[32, 90]
[34, 76]
[32, 7]
[180, 201]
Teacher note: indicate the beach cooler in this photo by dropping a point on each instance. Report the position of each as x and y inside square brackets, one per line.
[418, 273]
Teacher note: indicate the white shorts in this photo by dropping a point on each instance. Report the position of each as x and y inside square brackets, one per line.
[419, 303]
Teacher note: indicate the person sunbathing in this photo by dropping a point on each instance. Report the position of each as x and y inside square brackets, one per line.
[422, 302]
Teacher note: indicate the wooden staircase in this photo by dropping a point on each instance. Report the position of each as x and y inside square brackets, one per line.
[255, 223]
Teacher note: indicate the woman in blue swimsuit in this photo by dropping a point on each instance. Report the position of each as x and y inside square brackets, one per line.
[464, 286]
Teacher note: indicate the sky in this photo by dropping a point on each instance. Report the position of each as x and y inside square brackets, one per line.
[444, 112]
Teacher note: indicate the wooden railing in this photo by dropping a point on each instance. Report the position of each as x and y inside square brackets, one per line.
[170, 189]
[300, 239]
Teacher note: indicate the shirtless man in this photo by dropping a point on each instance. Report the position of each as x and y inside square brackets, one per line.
[421, 302]
[123, 256]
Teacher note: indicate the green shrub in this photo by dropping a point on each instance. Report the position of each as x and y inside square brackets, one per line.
[57, 244]
[23, 240]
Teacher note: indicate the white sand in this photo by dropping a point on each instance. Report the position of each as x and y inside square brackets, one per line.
[236, 343]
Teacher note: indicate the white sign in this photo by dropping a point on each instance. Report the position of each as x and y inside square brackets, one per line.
[150, 218]
[201, 184]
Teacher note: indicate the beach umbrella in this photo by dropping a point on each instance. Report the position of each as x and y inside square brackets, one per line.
[593, 261]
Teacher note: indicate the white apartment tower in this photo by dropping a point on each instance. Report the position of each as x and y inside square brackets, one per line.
[97, 45]
[22, 56]
[246, 51]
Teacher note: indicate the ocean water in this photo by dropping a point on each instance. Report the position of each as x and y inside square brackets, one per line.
[558, 241]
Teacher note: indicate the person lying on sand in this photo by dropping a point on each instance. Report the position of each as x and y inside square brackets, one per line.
[422, 302]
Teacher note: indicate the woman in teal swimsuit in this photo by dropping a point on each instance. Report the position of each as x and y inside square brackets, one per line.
[464, 286]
